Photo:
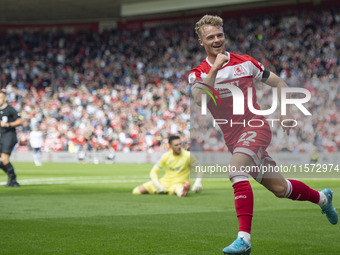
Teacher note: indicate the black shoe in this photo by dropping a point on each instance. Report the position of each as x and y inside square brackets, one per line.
[12, 183]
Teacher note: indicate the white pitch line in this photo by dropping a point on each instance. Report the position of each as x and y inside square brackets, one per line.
[69, 178]
[108, 179]
[75, 180]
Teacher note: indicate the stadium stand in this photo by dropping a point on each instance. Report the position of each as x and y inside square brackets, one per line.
[103, 90]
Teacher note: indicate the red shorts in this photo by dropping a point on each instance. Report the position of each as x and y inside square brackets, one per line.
[253, 141]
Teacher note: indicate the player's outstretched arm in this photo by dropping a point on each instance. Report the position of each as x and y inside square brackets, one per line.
[276, 82]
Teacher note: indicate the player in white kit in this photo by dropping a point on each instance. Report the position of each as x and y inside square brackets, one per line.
[36, 141]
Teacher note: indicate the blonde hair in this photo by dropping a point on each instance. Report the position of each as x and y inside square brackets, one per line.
[208, 20]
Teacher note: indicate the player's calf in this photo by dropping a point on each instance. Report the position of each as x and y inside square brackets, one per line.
[3, 167]
[274, 182]
[279, 189]
[12, 181]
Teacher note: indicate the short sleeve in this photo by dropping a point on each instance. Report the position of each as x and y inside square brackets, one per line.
[15, 114]
[194, 77]
[256, 67]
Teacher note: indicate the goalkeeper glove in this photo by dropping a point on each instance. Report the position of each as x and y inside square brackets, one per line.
[197, 187]
[160, 189]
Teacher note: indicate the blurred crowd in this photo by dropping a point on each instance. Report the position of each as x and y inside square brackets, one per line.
[127, 90]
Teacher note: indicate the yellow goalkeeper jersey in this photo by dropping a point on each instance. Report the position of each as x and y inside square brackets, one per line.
[177, 167]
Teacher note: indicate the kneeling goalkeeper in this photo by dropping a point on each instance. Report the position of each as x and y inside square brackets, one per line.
[176, 178]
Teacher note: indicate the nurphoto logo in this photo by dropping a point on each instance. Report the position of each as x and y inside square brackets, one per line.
[238, 99]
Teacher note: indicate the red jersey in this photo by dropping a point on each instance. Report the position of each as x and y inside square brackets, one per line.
[239, 71]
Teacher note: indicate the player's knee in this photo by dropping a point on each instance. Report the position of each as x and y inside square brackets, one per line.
[238, 176]
[136, 191]
[4, 161]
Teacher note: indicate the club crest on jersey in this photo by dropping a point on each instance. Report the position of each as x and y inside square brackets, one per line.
[238, 70]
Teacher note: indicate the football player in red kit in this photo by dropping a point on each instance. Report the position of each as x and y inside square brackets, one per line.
[221, 72]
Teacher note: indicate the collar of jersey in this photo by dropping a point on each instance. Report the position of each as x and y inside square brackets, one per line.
[228, 54]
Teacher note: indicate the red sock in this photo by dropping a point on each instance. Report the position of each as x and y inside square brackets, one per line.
[302, 192]
[244, 203]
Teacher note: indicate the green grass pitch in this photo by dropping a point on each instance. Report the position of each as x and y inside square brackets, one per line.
[89, 209]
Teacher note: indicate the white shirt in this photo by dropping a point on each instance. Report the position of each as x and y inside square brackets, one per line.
[36, 139]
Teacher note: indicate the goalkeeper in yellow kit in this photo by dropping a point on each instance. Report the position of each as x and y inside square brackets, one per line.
[176, 178]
